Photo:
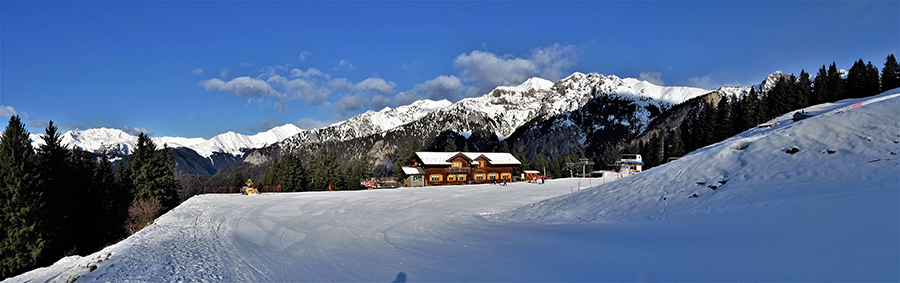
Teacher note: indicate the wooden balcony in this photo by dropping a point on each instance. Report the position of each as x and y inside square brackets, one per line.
[459, 170]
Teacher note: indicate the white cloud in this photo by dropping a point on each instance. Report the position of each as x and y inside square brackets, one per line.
[313, 91]
[652, 77]
[376, 84]
[487, 68]
[245, 65]
[7, 111]
[242, 86]
[701, 82]
[135, 131]
[261, 126]
[223, 73]
[309, 123]
[344, 64]
[304, 55]
[441, 87]
[309, 73]
[490, 70]
[554, 60]
[39, 124]
[197, 71]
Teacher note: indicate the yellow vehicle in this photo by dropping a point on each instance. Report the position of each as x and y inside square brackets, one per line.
[249, 190]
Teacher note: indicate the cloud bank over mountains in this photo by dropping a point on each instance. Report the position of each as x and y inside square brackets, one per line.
[478, 72]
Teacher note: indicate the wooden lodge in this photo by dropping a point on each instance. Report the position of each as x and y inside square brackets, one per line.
[453, 168]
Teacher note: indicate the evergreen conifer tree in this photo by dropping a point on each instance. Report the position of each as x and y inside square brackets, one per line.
[890, 74]
[677, 144]
[21, 203]
[112, 217]
[804, 90]
[57, 191]
[82, 203]
[451, 146]
[873, 82]
[856, 80]
[723, 126]
[820, 87]
[836, 85]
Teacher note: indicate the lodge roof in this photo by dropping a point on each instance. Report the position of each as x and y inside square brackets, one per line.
[444, 158]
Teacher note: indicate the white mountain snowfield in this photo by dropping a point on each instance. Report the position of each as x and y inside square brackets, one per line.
[828, 212]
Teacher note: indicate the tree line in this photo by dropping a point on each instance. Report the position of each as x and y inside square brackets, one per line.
[55, 201]
[320, 173]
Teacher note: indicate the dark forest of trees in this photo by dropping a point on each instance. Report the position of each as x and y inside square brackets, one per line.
[56, 201]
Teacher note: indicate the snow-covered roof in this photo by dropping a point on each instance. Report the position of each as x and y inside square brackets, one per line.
[443, 158]
[497, 158]
[531, 171]
[412, 171]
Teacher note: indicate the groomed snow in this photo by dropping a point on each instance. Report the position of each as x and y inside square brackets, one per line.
[808, 216]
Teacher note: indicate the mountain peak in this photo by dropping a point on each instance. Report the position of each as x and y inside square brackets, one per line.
[534, 83]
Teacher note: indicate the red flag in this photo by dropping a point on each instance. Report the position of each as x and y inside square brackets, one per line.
[857, 105]
[329, 187]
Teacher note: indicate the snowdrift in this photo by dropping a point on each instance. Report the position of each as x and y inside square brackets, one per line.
[846, 147]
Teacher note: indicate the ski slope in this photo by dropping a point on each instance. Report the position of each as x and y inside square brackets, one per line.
[807, 216]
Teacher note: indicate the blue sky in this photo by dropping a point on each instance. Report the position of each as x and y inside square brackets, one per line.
[197, 69]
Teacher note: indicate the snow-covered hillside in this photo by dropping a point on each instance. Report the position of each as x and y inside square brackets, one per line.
[827, 212]
[843, 149]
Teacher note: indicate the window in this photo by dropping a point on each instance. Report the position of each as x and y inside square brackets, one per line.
[451, 178]
[435, 178]
[504, 176]
[479, 177]
[492, 176]
[461, 177]
[456, 164]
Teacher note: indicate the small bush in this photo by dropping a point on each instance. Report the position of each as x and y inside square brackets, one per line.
[140, 214]
[741, 145]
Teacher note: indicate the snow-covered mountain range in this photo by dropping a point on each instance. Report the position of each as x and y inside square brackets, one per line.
[500, 112]
[118, 143]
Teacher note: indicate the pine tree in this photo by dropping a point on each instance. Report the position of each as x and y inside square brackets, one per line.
[836, 85]
[873, 82]
[856, 80]
[677, 144]
[723, 126]
[751, 107]
[358, 170]
[451, 146]
[237, 181]
[890, 74]
[292, 174]
[112, 216]
[57, 191]
[82, 203]
[804, 90]
[21, 202]
[538, 163]
[820, 87]
[153, 174]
